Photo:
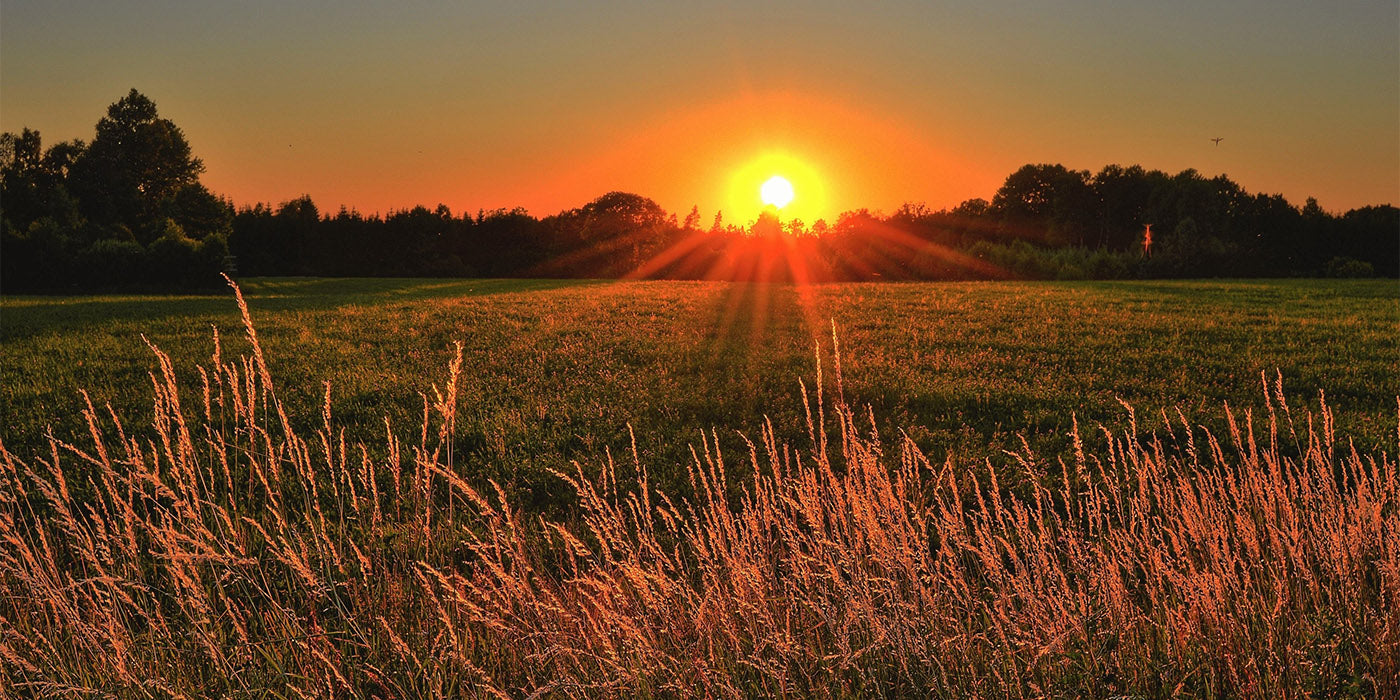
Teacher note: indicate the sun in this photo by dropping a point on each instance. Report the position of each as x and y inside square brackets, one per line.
[777, 191]
[783, 181]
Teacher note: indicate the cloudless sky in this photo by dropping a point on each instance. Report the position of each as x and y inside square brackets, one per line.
[381, 106]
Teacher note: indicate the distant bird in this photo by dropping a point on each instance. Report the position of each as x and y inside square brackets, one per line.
[1218, 139]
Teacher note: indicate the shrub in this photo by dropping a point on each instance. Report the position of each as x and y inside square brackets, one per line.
[111, 263]
[1349, 267]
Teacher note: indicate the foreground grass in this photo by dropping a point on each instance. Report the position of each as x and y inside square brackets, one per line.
[558, 370]
[225, 552]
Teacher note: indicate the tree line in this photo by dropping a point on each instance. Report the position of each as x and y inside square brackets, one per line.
[127, 210]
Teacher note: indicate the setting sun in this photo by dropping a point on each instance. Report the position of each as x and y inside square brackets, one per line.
[777, 191]
[777, 177]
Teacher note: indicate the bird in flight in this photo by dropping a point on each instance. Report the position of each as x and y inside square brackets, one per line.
[1218, 139]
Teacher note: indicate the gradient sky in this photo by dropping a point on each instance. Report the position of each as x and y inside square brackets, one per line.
[547, 105]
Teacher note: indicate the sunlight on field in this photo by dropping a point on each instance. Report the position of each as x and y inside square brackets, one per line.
[235, 543]
[557, 368]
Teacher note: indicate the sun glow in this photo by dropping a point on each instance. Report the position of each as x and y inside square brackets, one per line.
[798, 191]
[777, 191]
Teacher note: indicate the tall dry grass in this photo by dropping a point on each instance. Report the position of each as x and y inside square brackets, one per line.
[219, 553]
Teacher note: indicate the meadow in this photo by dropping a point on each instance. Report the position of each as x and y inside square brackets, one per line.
[557, 370]
[701, 489]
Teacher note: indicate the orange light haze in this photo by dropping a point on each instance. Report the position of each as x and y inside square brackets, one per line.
[717, 156]
[546, 106]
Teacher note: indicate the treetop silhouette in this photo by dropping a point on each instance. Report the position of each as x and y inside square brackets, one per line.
[128, 209]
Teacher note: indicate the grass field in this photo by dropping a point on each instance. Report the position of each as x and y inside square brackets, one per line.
[558, 370]
[231, 539]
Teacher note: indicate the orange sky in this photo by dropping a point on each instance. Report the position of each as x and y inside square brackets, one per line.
[547, 106]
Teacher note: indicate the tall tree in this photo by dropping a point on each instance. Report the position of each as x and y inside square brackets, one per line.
[136, 161]
[1047, 201]
[1123, 196]
[21, 196]
[32, 180]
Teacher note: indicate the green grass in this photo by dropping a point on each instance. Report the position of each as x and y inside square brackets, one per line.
[557, 370]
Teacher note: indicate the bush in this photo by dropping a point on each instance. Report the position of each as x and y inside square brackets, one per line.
[110, 263]
[212, 253]
[1032, 262]
[1349, 267]
[172, 257]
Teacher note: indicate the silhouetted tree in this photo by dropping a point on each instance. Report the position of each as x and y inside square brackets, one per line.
[1123, 197]
[199, 212]
[1047, 202]
[33, 181]
[767, 225]
[136, 161]
[610, 235]
[972, 208]
[1369, 234]
[718, 225]
[510, 243]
